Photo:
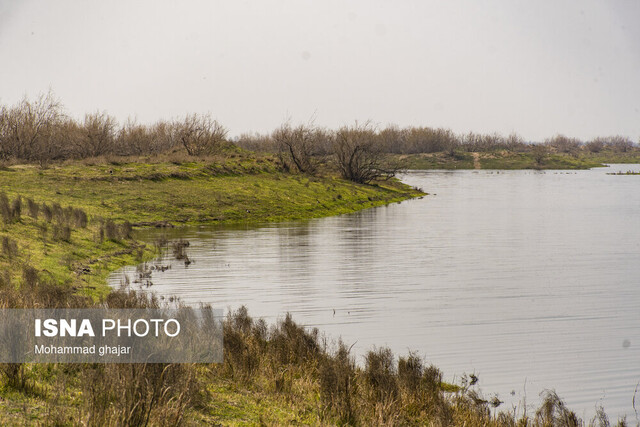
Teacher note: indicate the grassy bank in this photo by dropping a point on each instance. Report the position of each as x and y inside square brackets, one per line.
[66, 227]
[154, 193]
[512, 160]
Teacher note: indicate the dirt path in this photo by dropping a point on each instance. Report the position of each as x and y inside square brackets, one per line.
[476, 160]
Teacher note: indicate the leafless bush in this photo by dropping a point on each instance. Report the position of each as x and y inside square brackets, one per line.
[47, 212]
[200, 134]
[297, 147]
[618, 143]
[33, 208]
[381, 376]
[80, 218]
[61, 232]
[596, 145]
[256, 142]
[29, 129]
[111, 230]
[564, 144]
[164, 137]
[99, 135]
[9, 247]
[134, 139]
[137, 394]
[5, 208]
[16, 209]
[539, 152]
[429, 140]
[553, 412]
[338, 387]
[10, 212]
[358, 157]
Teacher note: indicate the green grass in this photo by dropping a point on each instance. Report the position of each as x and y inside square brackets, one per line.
[423, 161]
[509, 160]
[220, 191]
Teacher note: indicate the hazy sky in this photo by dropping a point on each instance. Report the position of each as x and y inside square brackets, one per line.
[534, 67]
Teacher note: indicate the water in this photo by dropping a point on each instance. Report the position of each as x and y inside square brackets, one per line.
[529, 279]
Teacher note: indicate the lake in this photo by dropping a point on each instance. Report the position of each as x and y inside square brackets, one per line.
[529, 279]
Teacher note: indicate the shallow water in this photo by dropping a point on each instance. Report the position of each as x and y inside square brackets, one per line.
[529, 279]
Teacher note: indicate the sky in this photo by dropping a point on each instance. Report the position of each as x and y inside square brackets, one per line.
[537, 68]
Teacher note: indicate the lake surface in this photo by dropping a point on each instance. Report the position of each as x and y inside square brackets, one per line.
[529, 279]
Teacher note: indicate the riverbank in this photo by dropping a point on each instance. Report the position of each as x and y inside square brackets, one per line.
[155, 193]
[508, 160]
[72, 226]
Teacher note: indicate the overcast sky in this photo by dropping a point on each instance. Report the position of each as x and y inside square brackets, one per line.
[533, 67]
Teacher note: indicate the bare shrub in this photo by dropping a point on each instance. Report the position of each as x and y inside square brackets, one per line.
[338, 387]
[564, 144]
[16, 209]
[539, 152]
[9, 247]
[80, 218]
[5, 208]
[125, 230]
[99, 135]
[29, 129]
[30, 277]
[553, 412]
[61, 232]
[380, 374]
[256, 142]
[47, 212]
[429, 140]
[596, 145]
[111, 230]
[618, 143]
[297, 146]
[33, 208]
[242, 349]
[137, 394]
[134, 139]
[291, 344]
[200, 134]
[358, 157]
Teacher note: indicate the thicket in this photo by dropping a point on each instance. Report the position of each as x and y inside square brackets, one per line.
[416, 140]
[39, 131]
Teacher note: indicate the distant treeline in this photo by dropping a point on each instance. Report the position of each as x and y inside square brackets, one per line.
[413, 140]
[38, 131]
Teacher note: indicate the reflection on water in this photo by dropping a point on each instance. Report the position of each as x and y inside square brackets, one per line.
[529, 279]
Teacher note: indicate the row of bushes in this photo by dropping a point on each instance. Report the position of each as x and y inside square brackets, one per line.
[413, 140]
[39, 131]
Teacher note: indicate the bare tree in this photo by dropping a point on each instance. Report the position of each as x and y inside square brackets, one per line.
[297, 147]
[620, 143]
[596, 145]
[164, 136]
[357, 155]
[539, 152]
[5, 150]
[99, 135]
[133, 139]
[29, 129]
[200, 134]
[564, 144]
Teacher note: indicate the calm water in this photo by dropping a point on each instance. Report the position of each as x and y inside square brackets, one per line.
[529, 279]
